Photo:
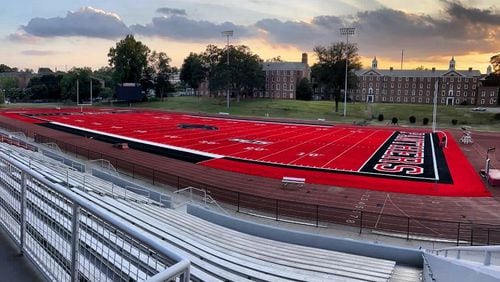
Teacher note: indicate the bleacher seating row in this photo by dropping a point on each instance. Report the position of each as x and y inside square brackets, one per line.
[216, 253]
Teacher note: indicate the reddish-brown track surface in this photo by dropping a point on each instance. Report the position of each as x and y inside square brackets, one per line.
[472, 210]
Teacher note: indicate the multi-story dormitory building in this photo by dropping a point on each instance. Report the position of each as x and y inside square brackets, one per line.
[455, 87]
[282, 78]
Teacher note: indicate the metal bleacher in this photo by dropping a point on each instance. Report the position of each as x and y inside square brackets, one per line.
[42, 216]
[215, 253]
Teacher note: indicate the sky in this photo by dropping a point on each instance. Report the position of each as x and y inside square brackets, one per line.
[62, 34]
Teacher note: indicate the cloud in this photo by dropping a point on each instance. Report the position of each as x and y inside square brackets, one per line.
[23, 37]
[88, 22]
[37, 52]
[182, 28]
[171, 11]
[457, 30]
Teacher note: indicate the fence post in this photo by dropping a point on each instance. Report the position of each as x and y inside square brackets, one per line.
[276, 209]
[238, 209]
[317, 215]
[471, 236]
[458, 234]
[361, 222]
[75, 222]
[23, 210]
[408, 229]
[488, 238]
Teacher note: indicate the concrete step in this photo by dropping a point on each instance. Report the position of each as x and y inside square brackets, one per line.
[404, 273]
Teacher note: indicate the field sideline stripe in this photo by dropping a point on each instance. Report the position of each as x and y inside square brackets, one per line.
[210, 155]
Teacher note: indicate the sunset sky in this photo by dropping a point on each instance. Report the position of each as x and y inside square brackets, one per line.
[61, 34]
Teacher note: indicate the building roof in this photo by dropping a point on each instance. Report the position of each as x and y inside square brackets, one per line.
[284, 66]
[419, 73]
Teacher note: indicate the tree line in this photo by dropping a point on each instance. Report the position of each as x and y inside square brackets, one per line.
[235, 69]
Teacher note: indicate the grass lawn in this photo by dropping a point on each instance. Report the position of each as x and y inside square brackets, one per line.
[313, 110]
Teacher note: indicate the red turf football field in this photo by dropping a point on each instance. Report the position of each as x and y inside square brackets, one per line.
[331, 155]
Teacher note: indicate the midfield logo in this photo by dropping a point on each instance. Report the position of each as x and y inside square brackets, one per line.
[256, 142]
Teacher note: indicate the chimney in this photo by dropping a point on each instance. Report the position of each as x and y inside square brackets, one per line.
[304, 58]
[433, 69]
[391, 68]
[470, 69]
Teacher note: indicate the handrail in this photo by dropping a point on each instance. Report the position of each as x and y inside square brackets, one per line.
[181, 264]
[205, 197]
[486, 250]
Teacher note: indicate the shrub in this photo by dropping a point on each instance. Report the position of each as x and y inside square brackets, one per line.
[464, 103]
[394, 120]
[454, 121]
[496, 116]
[425, 121]
[413, 119]
[380, 117]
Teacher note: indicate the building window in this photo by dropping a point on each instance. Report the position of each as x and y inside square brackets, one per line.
[272, 86]
[413, 99]
[427, 100]
[364, 77]
[399, 78]
[483, 93]
[427, 93]
[428, 86]
[399, 85]
[291, 86]
[458, 86]
[442, 100]
[277, 87]
[474, 80]
[443, 93]
[450, 93]
[406, 85]
[465, 93]
[421, 85]
[466, 86]
[492, 93]
[472, 101]
[370, 85]
[407, 78]
[451, 79]
[383, 99]
[413, 92]
[392, 78]
[398, 99]
[284, 86]
[272, 78]
[371, 78]
[378, 78]
[385, 78]
[482, 102]
[420, 100]
[420, 92]
[492, 101]
[278, 79]
[399, 91]
[392, 85]
[458, 93]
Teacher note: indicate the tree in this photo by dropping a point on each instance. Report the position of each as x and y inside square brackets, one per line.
[69, 87]
[275, 59]
[129, 59]
[193, 71]
[495, 62]
[242, 75]
[45, 87]
[304, 90]
[5, 68]
[329, 71]
[159, 68]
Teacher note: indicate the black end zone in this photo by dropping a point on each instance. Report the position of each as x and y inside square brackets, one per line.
[170, 153]
[410, 156]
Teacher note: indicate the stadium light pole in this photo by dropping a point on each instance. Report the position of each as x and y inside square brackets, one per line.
[434, 107]
[227, 33]
[346, 31]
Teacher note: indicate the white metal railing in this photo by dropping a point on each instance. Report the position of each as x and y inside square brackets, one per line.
[70, 239]
[474, 253]
[205, 198]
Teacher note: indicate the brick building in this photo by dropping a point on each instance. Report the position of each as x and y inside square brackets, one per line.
[454, 87]
[282, 78]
